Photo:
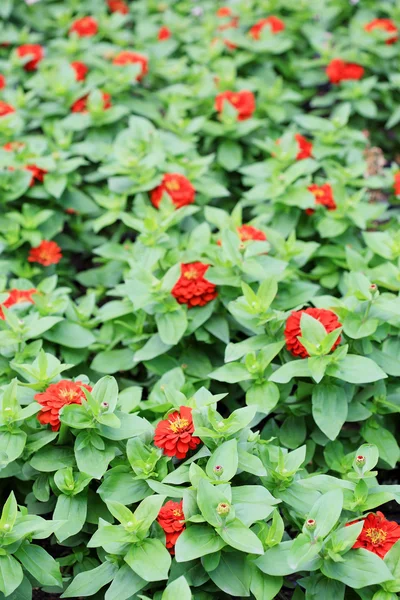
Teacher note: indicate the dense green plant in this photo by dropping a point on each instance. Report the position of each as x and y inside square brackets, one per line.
[199, 315]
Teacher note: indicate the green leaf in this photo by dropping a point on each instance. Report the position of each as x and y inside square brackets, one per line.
[264, 396]
[294, 368]
[88, 583]
[9, 513]
[326, 512]
[386, 443]
[356, 369]
[231, 373]
[40, 565]
[11, 574]
[177, 589]
[229, 155]
[238, 536]
[125, 584]
[196, 541]
[264, 587]
[225, 456]
[150, 560]
[329, 408]
[171, 326]
[72, 510]
[232, 574]
[360, 568]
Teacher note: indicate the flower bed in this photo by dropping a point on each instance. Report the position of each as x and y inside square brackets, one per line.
[199, 316]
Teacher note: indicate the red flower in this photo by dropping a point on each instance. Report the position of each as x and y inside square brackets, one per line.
[292, 330]
[37, 174]
[178, 188]
[47, 253]
[276, 25]
[84, 27]
[386, 25]
[305, 147]
[232, 24]
[55, 397]
[164, 33]
[80, 70]
[126, 57]
[338, 70]
[17, 297]
[81, 104]
[243, 102]
[175, 434]
[34, 50]
[6, 109]
[248, 232]
[13, 146]
[378, 534]
[172, 521]
[323, 195]
[397, 183]
[224, 11]
[192, 288]
[118, 6]
[2, 82]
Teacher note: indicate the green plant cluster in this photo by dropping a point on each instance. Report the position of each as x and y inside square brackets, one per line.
[280, 438]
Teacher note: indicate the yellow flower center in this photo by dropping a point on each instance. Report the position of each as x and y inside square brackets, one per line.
[191, 274]
[318, 193]
[172, 185]
[68, 394]
[178, 425]
[377, 536]
[177, 513]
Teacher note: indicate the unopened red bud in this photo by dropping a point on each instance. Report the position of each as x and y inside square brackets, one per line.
[311, 524]
[360, 460]
[218, 469]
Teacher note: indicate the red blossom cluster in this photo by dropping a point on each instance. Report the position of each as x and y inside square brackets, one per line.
[293, 329]
[55, 397]
[175, 434]
[192, 288]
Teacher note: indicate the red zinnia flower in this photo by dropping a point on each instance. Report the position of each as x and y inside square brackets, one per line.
[118, 6]
[378, 534]
[17, 297]
[178, 187]
[47, 253]
[2, 82]
[276, 25]
[81, 104]
[6, 109]
[164, 33]
[323, 195]
[397, 183]
[55, 397]
[13, 146]
[84, 27]
[338, 70]
[243, 102]
[175, 434]
[34, 50]
[292, 330]
[386, 25]
[172, 521]
[80, 70]
[192, 288]
[248, 232]
[37, 174]
[224, 11]
[126, 57]
[305, 147]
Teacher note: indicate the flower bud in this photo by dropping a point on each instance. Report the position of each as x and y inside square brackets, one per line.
[360, 460]
[223, 509]
[104, 406]
[311, 524]
[218, 470]
[6, 526]
[373, 288]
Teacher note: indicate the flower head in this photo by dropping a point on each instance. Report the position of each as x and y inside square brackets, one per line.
[378, 534]
[17, 297]
[172, 521]
[323, 195]
[127, 57]
[338, 70]
[305, 147]
[6, 109]
[248, 232]
[35, 51]
[293, 329]
[178, 188]
[13, 146]
[37, 174]
[243, 102]
[397, 183]
[80, 105]
[274, 23]
[192, 288]
[118, 6]
[224, 11]
[80, 70]
[2, 82]
[386, 25]
[55, 397]
[164, 33]
[175, 434]
[84, 27]
[47, 253]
